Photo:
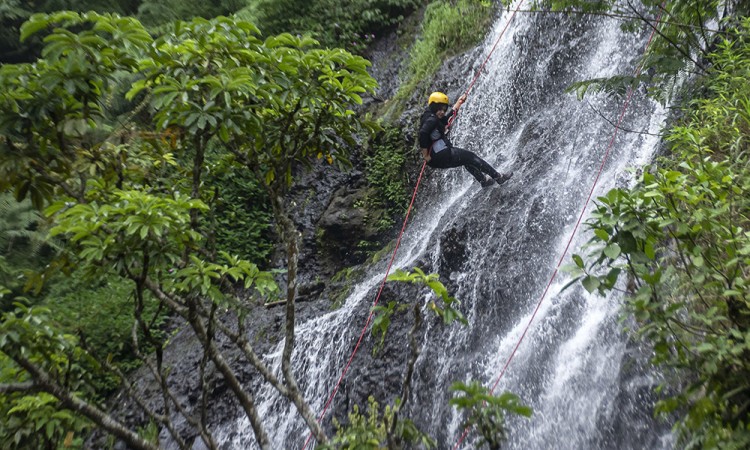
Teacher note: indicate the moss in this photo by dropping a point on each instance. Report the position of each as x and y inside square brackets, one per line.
[447, 30]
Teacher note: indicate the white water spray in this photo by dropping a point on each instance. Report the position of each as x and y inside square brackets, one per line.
[570, 366]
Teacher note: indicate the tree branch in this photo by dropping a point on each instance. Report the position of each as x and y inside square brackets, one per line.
[667, 39]
[69, 400]
[290, 236]
[26, 388]
[406, 386]
[600, 114]
[156, 372]
[203, 410]
[245, 399]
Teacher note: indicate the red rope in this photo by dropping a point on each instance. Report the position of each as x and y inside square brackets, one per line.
[484, 63]
[398, 242]
[572, 235]
[374, 304]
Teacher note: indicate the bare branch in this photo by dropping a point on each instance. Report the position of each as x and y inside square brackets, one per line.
[69, 400]
[245, 398]
[203, 410]
[598, 112]
[11, 388]
[290, 236]
[406, 387]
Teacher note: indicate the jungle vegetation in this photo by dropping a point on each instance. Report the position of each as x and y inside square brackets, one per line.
[678, 242]
[129, 131]
[129, 146]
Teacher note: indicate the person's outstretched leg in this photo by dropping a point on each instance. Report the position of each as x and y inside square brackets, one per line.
[475, 165]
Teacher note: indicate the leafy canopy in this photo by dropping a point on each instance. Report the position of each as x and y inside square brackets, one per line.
[684, 33]
[117, 134]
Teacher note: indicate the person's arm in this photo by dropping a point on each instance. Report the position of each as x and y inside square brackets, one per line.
[456, 106]
[459, 102]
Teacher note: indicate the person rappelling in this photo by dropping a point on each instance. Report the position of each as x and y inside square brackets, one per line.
[438, 150]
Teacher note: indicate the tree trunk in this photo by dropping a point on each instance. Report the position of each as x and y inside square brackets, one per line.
[245, 398]
[290, 236]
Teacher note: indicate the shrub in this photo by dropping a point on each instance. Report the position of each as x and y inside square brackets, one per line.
[446, 31]
[384, 171]
[243, 217]
[350, 24]
[682, 235]
[101, 314]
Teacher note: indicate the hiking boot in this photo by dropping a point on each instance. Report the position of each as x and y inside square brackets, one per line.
[503, 177]
[487, 182]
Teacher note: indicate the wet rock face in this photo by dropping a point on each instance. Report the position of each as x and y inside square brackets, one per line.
[453, 255]
[313, 191]
[378, 371]
[343, 226]
[453, 251]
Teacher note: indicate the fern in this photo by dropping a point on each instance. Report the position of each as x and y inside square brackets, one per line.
[614, 86]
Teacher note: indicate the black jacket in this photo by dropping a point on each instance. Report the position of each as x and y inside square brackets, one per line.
[432, 129]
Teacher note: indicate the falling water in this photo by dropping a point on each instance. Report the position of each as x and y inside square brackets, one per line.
[575, 368]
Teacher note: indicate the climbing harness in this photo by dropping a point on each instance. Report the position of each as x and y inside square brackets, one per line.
[398, 241]
[575, 229]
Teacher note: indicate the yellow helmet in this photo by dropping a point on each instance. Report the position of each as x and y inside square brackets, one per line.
[438, 97]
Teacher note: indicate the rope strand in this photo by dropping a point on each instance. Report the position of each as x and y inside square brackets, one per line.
[573, 233]
[403, 228]
[484, 63]
[374, 304]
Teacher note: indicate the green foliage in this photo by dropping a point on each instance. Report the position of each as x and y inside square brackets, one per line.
[13, 13]
[100, 313]
[11, 285]
[447, 30]
[447, 311]
[615, 85]
[137, 199]
[25, 248]
[37, 421]
[350, 24]
[19, 226]
[117, 6]
[243, 215]
[160, 13]
[131, 227]
[260, 96]
[372, 431]
[32, 419]
[384, 170]
[50, 107]
[682, 236]
[589, 6]
[486, 412]
[382, 320]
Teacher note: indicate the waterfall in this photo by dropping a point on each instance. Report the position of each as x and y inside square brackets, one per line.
[575, 368]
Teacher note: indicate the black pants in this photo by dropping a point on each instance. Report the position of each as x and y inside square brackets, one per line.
[455, 157]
